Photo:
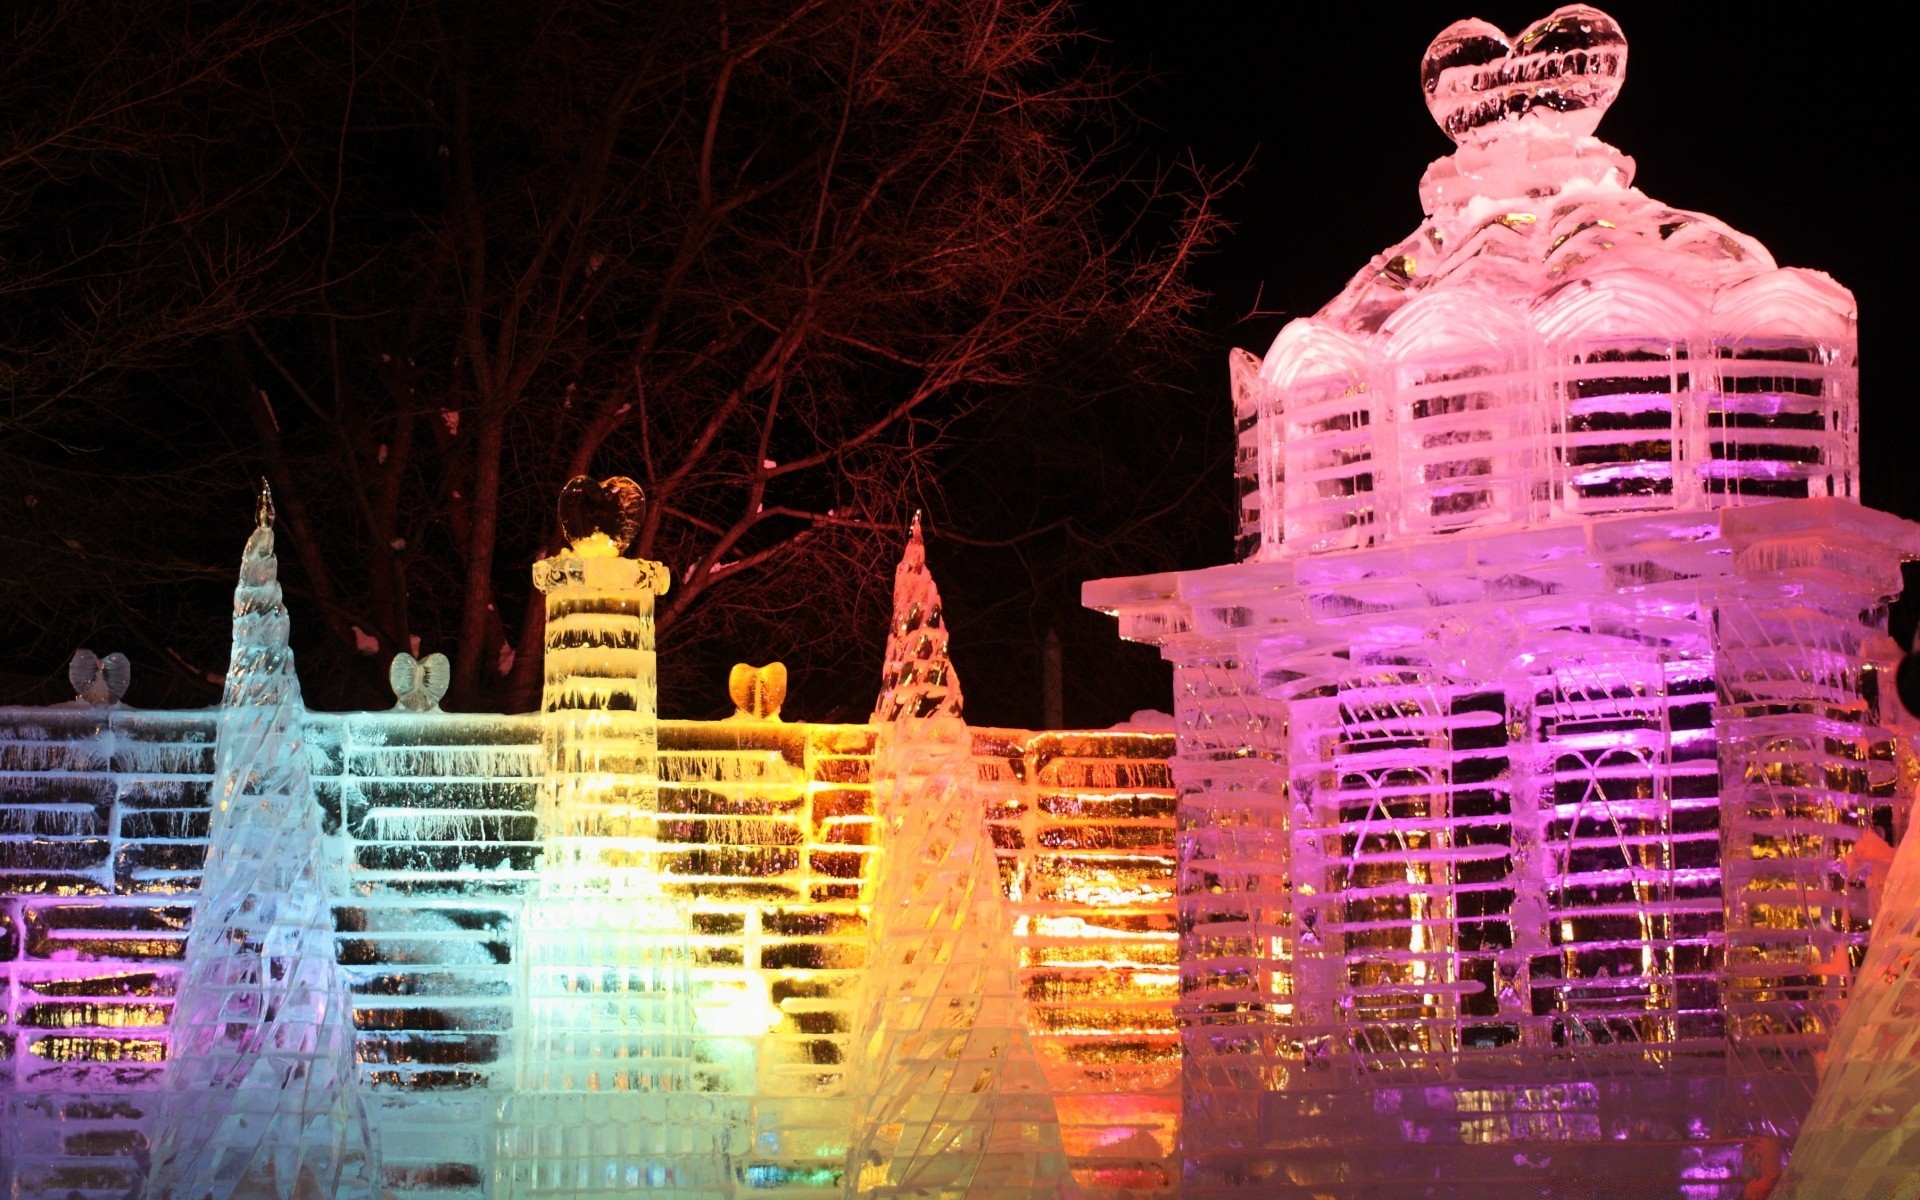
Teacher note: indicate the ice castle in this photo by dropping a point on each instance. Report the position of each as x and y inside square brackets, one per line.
[1538, 770]
[1532, 822]
[584, 951]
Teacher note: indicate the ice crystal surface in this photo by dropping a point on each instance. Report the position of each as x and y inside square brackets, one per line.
[261, 1097]
[1528, 757]
[951, 1099]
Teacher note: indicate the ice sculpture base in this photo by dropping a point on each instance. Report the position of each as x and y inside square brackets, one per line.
[1524, 853]
[651, 1146]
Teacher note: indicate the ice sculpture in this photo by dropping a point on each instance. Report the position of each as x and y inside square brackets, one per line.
[261, 1097]
[1862, 1139]
[952, 1102]
[1522, 760]
[757, 692]
[604, 1099]
[746, 983]
[419, 683]
[98, 681]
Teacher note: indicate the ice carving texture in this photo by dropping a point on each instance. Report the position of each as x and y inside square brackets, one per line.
[261, 1096]
[604, 1099]
[952, 1099]
[1862, 1139]
[1562, 71]
[1550, 344]
[1526, 758]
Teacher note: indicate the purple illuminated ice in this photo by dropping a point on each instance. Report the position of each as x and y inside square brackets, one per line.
[1523, 757]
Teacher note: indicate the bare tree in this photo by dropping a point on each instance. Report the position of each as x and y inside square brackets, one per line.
[117, 261]
[769, 258]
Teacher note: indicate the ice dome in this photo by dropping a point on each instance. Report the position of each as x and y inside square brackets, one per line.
[1550, 343]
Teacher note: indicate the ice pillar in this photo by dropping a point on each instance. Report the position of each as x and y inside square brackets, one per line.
[260, 1098]
[951, 1099]
[605, 1100]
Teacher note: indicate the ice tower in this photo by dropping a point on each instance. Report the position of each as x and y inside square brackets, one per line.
[261, 1100]
[1529, 758]
[604, 1101]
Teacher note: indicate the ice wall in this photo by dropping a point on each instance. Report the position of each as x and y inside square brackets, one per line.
[105, 813]
[1083, 829]
[1859, 1142]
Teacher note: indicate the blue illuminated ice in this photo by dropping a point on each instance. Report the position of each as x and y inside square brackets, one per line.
[261, 1100]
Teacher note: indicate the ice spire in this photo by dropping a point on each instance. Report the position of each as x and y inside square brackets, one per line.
[951, 1100]
[1859, 1142]
[260, 1099]
[918, 680]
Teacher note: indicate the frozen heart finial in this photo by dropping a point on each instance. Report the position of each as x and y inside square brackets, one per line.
[1562, 71]
[99, 681]
[758, 692]
[418, 684]
[614, 507]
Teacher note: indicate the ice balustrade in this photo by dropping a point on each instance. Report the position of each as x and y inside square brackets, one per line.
[1083, 829]
[763, 839]
[1533, 760]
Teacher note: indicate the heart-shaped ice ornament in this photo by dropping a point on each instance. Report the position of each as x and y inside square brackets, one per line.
[99, 681]
[758, 692]
[418, 684]
[1562, 71]
[615, 507]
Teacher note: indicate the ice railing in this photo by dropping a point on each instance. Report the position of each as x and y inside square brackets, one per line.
[1615, 393]
[767, 838]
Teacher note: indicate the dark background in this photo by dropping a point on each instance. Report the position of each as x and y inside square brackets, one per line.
[1787, 123]
[1790, 124]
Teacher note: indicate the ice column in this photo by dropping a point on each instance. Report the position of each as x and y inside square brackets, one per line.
[604, 1101]
[952, 1102]
[260, 1097]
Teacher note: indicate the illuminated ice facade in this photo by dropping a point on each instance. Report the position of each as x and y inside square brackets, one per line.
[699, 1042]
[1532, 762]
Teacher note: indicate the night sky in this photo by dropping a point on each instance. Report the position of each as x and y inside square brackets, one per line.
[1788, 124]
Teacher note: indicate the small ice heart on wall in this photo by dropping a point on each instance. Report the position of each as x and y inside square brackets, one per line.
[418, 684]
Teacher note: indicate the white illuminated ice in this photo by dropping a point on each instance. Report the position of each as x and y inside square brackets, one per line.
[261, 1099]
